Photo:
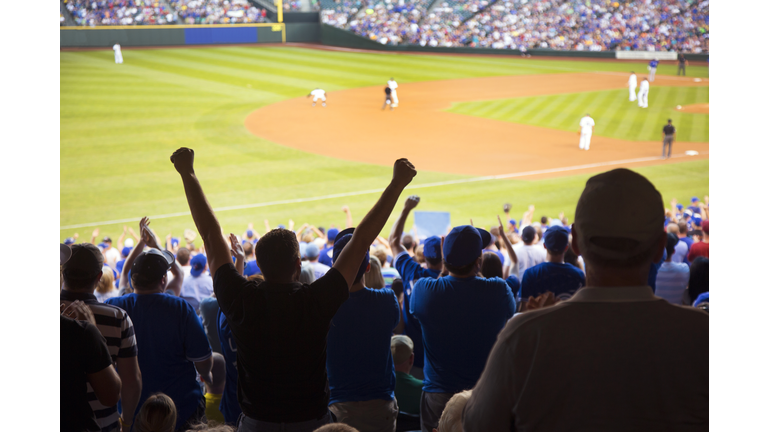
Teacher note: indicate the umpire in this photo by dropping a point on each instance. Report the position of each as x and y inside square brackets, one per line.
[669, 133]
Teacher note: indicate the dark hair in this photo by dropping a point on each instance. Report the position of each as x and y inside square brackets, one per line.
[492, 266]
[544, 219]
[276, 253]
[699, 281]
[672, 241]
[80, 280]
[460, 270]
[182, 256]
[79, 283]
[618, 244]
[434, 262]
[397, 286]
[248, 248]
[407, 242]
[570, 257]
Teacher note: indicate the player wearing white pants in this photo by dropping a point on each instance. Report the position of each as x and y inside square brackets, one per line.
[585, 129]
[393, 86]
[118, 54]
[632, 87]
[642, 95]
[317, 94]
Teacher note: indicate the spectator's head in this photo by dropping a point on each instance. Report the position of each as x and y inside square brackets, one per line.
[84, 268]
[332, 233]
[307, 275]
[277, 253]
[307, 238]
[544, 219]
[528, 235]
[623, 242]
[407, 242]
[107, 241]
[374, 279]
[158, 414]
[682, 228]
[672, 241]
[699, 280]
[336, 427]
[312, 252]
[182, 256]
[402, 353]
[107, 282]
[248, 249]
[381, 254]
[419, 254]
[69, 241]
[463, 251]
[451, 419]
[673, 228]
[491, 266]
[126, 251]
[397, 287]
[65, 252]
[433, 252]
[199, 263]
[218, 375]
[338, 246]
[556, 243]
[149, 270]
[705, 228]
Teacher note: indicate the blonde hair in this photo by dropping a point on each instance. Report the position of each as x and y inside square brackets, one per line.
[419, 255]
[307, 238]
[107, 281]
[451, 419]
[158, 414]
[374, 279]
[381, 253]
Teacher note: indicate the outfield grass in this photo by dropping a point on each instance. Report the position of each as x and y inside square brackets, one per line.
[614, 115]
[120, 123]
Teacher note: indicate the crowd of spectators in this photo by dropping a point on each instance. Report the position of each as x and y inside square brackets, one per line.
[145, 12]
[309, 326]
[217, 12]
[581, 25]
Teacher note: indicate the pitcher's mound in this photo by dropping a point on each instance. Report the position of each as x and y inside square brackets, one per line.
[695, 108]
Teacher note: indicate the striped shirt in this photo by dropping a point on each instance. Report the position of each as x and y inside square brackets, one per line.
[671, 281]
[116, 327]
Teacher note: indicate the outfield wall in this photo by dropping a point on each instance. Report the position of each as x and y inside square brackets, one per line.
[171, 35]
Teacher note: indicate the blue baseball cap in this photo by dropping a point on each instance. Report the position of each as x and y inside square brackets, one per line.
[462, 246]
[694, 199]
[679, 206]
[174, 241]
[69, 241]
[126, 250]
[198, 264]
[312, 251]
[556, 239]
[344, 238]
[249, 233]
[103, 246]
[281, 226]
[512, 222]
[433, 248]
[332, 233]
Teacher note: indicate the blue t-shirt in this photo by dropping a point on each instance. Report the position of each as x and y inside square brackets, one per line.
[513, 282]
[563, 280]
[170, 338]
[229, 406]
[359, 361]
[251, 268]
[460, 319]
[701, 300]
[119, 265]
[410, 271]
[326, 256]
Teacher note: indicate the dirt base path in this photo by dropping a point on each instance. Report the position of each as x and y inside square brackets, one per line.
[354, 127]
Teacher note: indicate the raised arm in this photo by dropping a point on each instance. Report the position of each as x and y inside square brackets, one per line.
[238, 252]
[397, 229]
[150, 239]
[94, 235]
[120, 239]
[348, 212]
[130, 375]
[125, 286]
[266, 226]
[318, 233]
[507, 243]
[353, 253]
[205, 220]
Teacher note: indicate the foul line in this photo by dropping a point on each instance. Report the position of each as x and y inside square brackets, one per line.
[369, 191]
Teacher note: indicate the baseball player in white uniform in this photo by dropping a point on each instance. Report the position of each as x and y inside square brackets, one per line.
[318, 94]
[585, 130]
[642, 95]
[632, 87]
[118, 53]
[393, 86]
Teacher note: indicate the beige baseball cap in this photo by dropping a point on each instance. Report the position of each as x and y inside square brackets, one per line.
[619, 204]
[402, 348]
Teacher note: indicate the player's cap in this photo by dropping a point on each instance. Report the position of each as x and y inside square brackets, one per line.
[528, 234]
[638, 214]
[150, 266]
[332, 233]
[462, 246]
[556, 239]
[341, 240]
[433, 248]
[402, 348]
[198, 263]
[312, 251]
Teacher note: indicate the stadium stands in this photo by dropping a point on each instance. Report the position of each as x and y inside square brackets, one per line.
[217, 12]
[138, 12]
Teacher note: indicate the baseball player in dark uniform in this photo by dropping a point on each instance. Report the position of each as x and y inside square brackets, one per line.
[681, 64]
[388, 98]
[669, 133]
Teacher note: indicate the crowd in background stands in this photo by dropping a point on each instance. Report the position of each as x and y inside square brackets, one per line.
[410, 326]
[582, 25]
[146, 12]
[217, 11]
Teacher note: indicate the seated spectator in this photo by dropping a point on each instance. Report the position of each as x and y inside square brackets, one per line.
[492, 267]
[554, 275]
[157, 414]
[407, 388]
[281, 325]
[81, 273]
[313, 254]
[672, 278]
[172, 344]
[450, 420]
[361, 372]
[702, 247]
[681, 248]
[105, 289]
[199, 284]
[698, 283]
[410, 271]
[627, 328]
[374, 279]
[528, 254]
[456, 350]
[215, 390]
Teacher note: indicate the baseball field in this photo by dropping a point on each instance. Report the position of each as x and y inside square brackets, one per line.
[481, 130]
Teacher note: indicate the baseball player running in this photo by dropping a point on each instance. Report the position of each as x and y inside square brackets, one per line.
[652, 69]
[669, 133]
[318, 94]
[118, 54]
[585, 130]
[388, 99]
[632, 87]
[642, 95]
[393, 86]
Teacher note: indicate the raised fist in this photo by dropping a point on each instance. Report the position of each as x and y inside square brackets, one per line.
[183, 160]
[403, 172]
[411, 202]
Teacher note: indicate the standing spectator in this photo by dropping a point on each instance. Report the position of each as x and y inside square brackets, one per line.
[183, 257]
[668, 135]
[81, 274]
[491, 267]
[209, 310]
[112, 255]
[554, 275]
[681, 64]
[683, 234]
[374, 278]
[407, 387]
[411, 271]
[653, 353]
[681, 248]
[672, 278]
[157, 414]
[199, 284]
[701, 248]
[387, 271]
[251, 266]
[361, 373]
[281, 325]
[313, 253]
[326, 255]
[528, 254]
[456, 350]
[171, 340]
[698, 283]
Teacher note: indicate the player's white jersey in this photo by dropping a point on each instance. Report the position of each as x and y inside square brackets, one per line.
[318, 93]
[116, 47]
[645, 85]
[633, 80]
[586, 123]
[392, 84]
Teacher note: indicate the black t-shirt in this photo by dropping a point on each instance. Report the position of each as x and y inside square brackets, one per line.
[669, 129]
[83, 351]
[681, 59]
[280, 331]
